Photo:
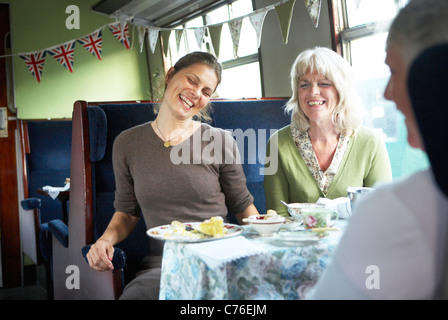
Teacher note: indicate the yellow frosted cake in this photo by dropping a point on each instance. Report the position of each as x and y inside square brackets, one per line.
[213, 226]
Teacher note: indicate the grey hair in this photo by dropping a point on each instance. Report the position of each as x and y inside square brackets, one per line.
[348, 113]
[419, 25]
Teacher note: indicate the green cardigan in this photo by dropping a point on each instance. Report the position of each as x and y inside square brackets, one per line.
[365, 163]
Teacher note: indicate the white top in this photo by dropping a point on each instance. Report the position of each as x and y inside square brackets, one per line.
[393, 245]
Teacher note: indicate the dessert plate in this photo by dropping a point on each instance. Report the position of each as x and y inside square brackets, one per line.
[166, 232]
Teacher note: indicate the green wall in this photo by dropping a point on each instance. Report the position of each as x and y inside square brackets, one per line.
[36, 25]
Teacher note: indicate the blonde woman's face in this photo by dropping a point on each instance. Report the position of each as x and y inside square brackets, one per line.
[317, 97]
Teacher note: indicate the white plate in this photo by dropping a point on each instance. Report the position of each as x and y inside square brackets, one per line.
[166, 233]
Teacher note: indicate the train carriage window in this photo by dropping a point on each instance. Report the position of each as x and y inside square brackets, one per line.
[239, 71]
[363, 31]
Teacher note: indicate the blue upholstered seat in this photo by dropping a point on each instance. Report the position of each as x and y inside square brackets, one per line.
[257, 117]
[47, 163]
[105, 123]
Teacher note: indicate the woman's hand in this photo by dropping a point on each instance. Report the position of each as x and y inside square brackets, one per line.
[102, 251]
[100, 255]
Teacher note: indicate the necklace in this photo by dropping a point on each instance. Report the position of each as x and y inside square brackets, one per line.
[166, 142]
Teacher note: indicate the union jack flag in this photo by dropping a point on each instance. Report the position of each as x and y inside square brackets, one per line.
[64, 54]
[121, 34]
[93, 43]
[35, 63]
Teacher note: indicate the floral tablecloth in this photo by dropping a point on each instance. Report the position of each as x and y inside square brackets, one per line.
[271, 270]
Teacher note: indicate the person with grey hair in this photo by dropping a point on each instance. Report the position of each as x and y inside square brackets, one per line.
[394, 246]
[325, 149]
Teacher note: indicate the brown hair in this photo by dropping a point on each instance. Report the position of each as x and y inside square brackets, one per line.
[199, 57]
[204, 58]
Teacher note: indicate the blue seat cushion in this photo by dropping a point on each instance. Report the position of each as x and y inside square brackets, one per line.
[45, 241]
[60, 230]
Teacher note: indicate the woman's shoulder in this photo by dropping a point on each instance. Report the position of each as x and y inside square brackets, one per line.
[283, 133]
[132, 133]
[367, 135]
[213, 131]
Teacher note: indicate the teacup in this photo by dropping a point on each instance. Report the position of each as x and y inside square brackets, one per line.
[295, 209]
[319, 217]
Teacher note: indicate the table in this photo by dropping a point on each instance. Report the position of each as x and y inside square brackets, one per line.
[264, 268]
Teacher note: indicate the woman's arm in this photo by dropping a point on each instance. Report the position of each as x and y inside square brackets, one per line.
[102, 251]
[380, 169]
[250, 211]
[276, 185]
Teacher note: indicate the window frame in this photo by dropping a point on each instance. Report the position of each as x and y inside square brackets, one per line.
[342, 34]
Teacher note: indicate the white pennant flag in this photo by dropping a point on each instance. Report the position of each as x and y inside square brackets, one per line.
[153, 35]
[257, 21]
[235, 31]
[178, 34]
[199, 34]
[313, 7]
[141, 36]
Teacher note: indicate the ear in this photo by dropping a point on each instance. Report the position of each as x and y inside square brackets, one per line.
[169, 74]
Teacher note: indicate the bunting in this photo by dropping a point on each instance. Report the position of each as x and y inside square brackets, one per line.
[35, 63]
[178, 34]
[153, 34]
[284, 14]
[215, 37]
[235, 29]
[141, 36]
[257, 21]
[199, 35]
[165, 35]
[313, 8]
[93, 43]
[64, 54]
[121, 34]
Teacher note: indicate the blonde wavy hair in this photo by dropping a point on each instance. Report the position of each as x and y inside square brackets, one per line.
[348, 113]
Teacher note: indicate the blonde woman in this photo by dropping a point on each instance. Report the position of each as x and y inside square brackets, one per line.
[405, 259]
[325, 149]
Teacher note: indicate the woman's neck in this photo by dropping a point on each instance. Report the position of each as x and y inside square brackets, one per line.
[323, 132]
[168, 123]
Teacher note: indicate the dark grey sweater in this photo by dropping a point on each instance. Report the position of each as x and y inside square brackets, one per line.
[192, 181]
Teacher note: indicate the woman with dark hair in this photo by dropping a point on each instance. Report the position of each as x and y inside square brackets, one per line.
[152, 183]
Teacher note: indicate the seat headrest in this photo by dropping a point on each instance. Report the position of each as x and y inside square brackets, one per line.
[97, 132]
[427, 81]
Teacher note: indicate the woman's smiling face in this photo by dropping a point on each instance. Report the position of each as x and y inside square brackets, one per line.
[317, 97]
[189, 90]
